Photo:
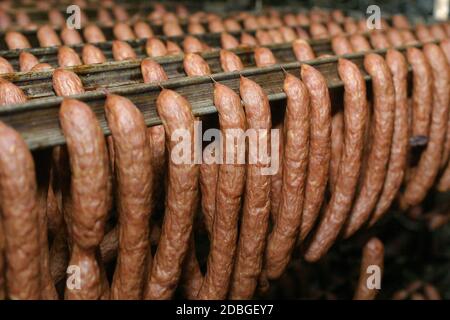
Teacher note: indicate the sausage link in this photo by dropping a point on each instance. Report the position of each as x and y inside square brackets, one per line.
[381, 141]
[248, 40]
[428, 167]
[155, 47]
[379, 40]
[191, 44]
[195, 65]
[282, 239]
[27, 61]
[230, 61]
[172, 29]
[395, 38]
[93, 34]
[2, 263]
[399, 21]
[173, 48]
[196, 28]
[359, 43]
[355, 118]
[288, 34]
[5, 66]
[232, 25]
[338, 16]
[408, 37]
[422, 92]
[302, 50]
[175, 112]
[337, 144]
[216, 26]
[47, 37]
[88, 195]
[437, 32]
[122, 51]
[318, 31]
[302, 19]
[10, 93]
[445, 46]
[334, 29]
[41, 67]
[256, 208]
[399, 149]
[70, 37]
[423, 34]
[276, 180]
[276, 36]
[228, 42]
[341, 45]
[16, 40]
[19, 210]
[67, 57]
[264, 57]
[319, 148]
[208, 183]
[123, 32]
[91, 54]
[142, 30]
[56, 18]
[350, 26]
[120, 13]
[372, 255]
[66, 83]
[134, 188]
[263, 38]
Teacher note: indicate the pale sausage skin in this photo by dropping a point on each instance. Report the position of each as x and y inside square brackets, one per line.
[355, 119]
[66, 83]
[256, 208]
[93, 34]
[287, 223]
[302, 50]
[395, 37]
[182, 192]
[133, 172]
[263, 38]
[142, 30]
[248, 40]
[230, 61]
[196, 28]
[337, 144]
[173, 48]
[70, 36]
[122, 51]
[41, 67]
[67, 57]
[381, 141]
[89, 194]
[5, 66]
[372, 255]
[10, 93]
[27, 61]
[16, 40]
[264, 57]
[19, 217]
[92, 55]
[341, 45]
[155, 47]
[192, 45]
[379, 40]
[228, 42]
[195, 65]
[47, 37]
[359, 43]
[123, 32]
[399, 149]
[288, 34]
[428, 167]
[320, 146]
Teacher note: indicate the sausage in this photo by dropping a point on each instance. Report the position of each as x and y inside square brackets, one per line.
[290, 19]
[318, 31]
[337, 144]
[445, 46]
[120, 13]
[19, 210]
[334, 29]
[5, 66]
[155, 47]
[302, 19]
[232, 25]
[359, 43]
[379, 41]
[341, 45]
[10, 93]
[104, 17]
[89, 195]
[264, 57]
[142, 30]
[350, 26]
[372, 256]
[47, 37]
[134, 176]
[192, 45]
[173, 48]
[288, 34]
[70, 36]
[16, 40]
[422, 92]
[423, 34]
[5, 20]
[195, 65]
[399, 149]
[27, 61]
[431, 292]
[56, 18]
[408, 37]
[284, 234]
[91, 54]
[2, 263]
[276, 183]
[93, 34]
[437, 32]
[230, 61]
[196, 28]
[395, 38]
[381, 140]
[362, 26]
[175, 112]
[172, 29]
[276, 36]
[152, 71]
[250, 23]
[67, 57]
[66, 83]
[41, 67]
[302, 50]
[216, 26]
[123, 32]
[22, 19]
[248, 40]
[227, 41]
[208, 183]
[256, 207]
[355, 118]
[122, 51]
[399, 21]
[337, 15]
[169, 17]
[263, 38]
[428, 167]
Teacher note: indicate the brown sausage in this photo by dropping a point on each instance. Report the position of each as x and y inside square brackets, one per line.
[16, 40]
[172, 29]
[66, 83]
[256, 207]
[232, 25]
[123, 32]
[337, 144]
[338, 15]
[408, 37]
[2, 263]
[276, 183]
[288, 34]
[423, 34]
[173, 48]
[437, 32]
[263, 37]
[320, 146]
[70, 36]
[216, 26]
[302, 50]
[134, 188]
[195, 65]
[445, 46]
[398, 157]
[250, 23]
[104, 17]
[282, 239]
[152, 71]
[155, 47]
[400, 22]
[47, 37]
[88, 195]
[355, 118]
[230, 62]
[175, 112]
[91, 54]
[192, 45]
[381, 141]
[27, 61]
[318, 31]
[431, 292]
[428, 167]
[248, 40]
[276, 36]
[142, 30]
[422, 92]
[67, 57]
[196, 28]
[350, 26]
[56, 18]
[41, 67]
[341, 45]
[93, 34]
[334, 29]
[290, 20]
[379, 40]
[395, 37]
[5, 66]
[122, 51]
[19, 210]
[208, 183]
[264, 57]
[302, 19]
[228, 42]
[10, 93]
[372, 256]
[359, 43]
[120, 13]
[22, 19]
